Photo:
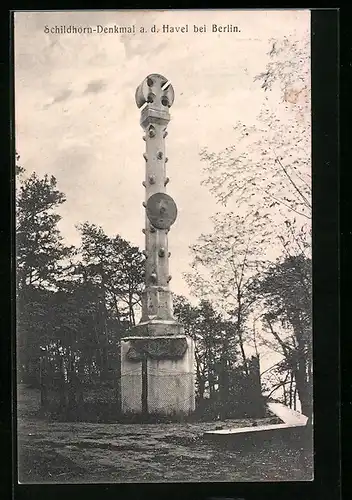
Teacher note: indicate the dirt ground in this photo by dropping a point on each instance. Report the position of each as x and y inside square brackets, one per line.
[59, 452]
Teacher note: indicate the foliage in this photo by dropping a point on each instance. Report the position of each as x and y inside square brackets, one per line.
[266, 175]
[19, 170]
[33, 327]
[75, 304]
[41, 259]
[114, 265]
[225, 383]
[268, 169]
[225, 263]
[71, 316]
[285, 291]
[215, 348]
[40, 251]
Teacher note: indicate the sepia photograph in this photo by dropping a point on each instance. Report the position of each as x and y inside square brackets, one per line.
[163, 246]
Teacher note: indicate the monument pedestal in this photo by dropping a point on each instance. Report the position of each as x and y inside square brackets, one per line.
[157, 376]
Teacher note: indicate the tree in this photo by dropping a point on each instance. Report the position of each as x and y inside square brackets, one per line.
[33, 330]
[224, 265]
[112, 270]
[41, 259]
[19, 170]
[269, 167]
[117, 267]
[267, 173]
[285, 290]
[187, 315]
[225, 386]
[40, 251]
[73, 305]
[216, 348]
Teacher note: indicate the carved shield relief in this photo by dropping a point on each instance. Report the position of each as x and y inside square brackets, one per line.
[161, 210]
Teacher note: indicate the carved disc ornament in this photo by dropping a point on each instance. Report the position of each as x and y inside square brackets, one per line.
[161, 210]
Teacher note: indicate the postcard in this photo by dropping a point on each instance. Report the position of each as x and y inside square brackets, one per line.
[163, 246]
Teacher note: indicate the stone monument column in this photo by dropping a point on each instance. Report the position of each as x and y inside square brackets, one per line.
[157, 357]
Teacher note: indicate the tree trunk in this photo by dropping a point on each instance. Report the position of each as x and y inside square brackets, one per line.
[133, 316]
[81, 379]
[291, 390]
[211, 377]
[304, 394]
[211, 385]
[284, 395]
[62, 384]
[105, 356]
[295, 399]
[43, 383]
[224, 380]
[200, 380]
[201, 387]
[244, 357]
[303, 383]
[239, 331]
[118, 376]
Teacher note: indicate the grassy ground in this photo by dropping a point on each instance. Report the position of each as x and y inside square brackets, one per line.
[93, 453]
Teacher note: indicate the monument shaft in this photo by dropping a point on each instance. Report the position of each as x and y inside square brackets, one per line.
[157, 302]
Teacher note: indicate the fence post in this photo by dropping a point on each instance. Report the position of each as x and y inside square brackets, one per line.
[42, 382]
[144, 385]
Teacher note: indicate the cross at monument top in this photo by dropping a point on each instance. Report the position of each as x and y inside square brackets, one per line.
[155, 91]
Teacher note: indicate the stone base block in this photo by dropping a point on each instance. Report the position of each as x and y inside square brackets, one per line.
[157, 328]
[160, 370]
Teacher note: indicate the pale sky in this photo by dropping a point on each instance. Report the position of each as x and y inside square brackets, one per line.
[76, 116]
